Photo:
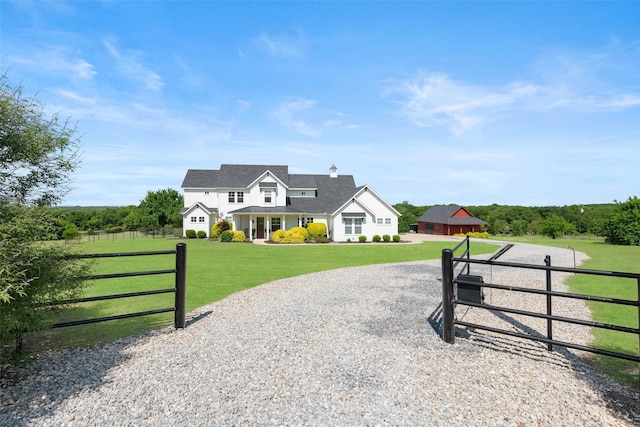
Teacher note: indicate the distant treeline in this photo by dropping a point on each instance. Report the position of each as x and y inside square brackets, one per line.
[502, 219]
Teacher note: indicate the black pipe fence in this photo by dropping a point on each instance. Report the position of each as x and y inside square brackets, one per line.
[179, 307]
[466, 289]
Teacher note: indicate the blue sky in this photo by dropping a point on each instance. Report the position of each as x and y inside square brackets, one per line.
[517, 103]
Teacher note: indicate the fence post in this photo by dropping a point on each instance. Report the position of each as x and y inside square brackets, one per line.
[468, 254]
[547, 262]
[448, 331]
[181, 285]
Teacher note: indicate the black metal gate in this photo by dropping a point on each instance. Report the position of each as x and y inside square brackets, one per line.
[466, 289]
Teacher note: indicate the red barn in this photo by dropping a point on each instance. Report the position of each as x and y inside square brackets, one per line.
[449, 220]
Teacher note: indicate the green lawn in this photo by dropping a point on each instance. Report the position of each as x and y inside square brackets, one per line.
[214, 271]
[610, 258]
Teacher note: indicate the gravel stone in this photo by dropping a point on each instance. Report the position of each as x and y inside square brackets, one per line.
[357, 346]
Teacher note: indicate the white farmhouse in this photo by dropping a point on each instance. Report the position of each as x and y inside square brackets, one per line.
[259, 200]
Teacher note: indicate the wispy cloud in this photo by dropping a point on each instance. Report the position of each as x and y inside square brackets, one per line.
[436, 100]
[298, 114]
[599, 80]
[58, 60]
[282, 46]
[130, 64]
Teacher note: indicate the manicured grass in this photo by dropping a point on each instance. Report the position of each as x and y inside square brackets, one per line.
[609, 258]
[214, 271]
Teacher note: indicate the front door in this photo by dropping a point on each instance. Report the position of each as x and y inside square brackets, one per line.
[260, 228]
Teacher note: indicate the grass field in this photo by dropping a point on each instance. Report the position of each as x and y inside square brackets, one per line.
[609, 258]
[214, 271]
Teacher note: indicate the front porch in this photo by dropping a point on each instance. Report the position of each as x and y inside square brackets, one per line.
[260, 223]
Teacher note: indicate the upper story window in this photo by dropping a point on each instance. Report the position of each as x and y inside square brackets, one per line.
[194, 219]
[387, 221]
[379, 221]
[206, 193]
[240, 197]
[267, 196]
[232, 196]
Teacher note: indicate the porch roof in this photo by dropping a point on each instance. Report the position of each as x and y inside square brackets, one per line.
[250, 210]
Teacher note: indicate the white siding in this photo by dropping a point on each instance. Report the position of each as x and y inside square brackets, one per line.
[203, 221]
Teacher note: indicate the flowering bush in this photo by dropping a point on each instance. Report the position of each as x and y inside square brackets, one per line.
[239, 236]
[316, 229]
[300, 230]
[476, 234]
[279, 236]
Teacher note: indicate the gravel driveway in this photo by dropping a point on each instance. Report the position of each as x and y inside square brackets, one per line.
[356, 346]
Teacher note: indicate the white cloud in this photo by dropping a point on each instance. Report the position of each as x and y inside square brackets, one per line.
[58, 60]
[435, 100]
[281, 46]
[298, 114]
[130, 64]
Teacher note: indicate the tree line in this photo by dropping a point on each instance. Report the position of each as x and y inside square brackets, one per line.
[158, 209]
[619, 222]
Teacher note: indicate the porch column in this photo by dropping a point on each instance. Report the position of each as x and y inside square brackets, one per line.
[251, 228]
[267, 225]
[283, 224]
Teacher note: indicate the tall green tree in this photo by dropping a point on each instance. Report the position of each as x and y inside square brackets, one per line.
[556, 226]
[623, 227]
[160, 208]
[37, 157]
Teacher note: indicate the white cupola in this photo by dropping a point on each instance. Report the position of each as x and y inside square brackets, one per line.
[333, 171]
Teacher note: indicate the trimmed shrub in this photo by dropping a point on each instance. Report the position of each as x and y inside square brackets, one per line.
[362, 239]
[202, 234]
[386, 238]
[316, 229]
[218, 228]
[321, 239]
[239, 236]
[396, 238]
[191, 234]
[226, 236]
[300, 230]
[376, 238]
[476, 234]
[279, 236]
[349, 240]
[295, 236]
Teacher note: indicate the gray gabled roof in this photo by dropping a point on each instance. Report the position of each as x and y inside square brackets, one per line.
[200, 178]
[232, 176]
[444, 215]
[331, 192]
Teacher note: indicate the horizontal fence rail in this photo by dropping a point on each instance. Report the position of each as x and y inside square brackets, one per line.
[179, 307]
[469, 293]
